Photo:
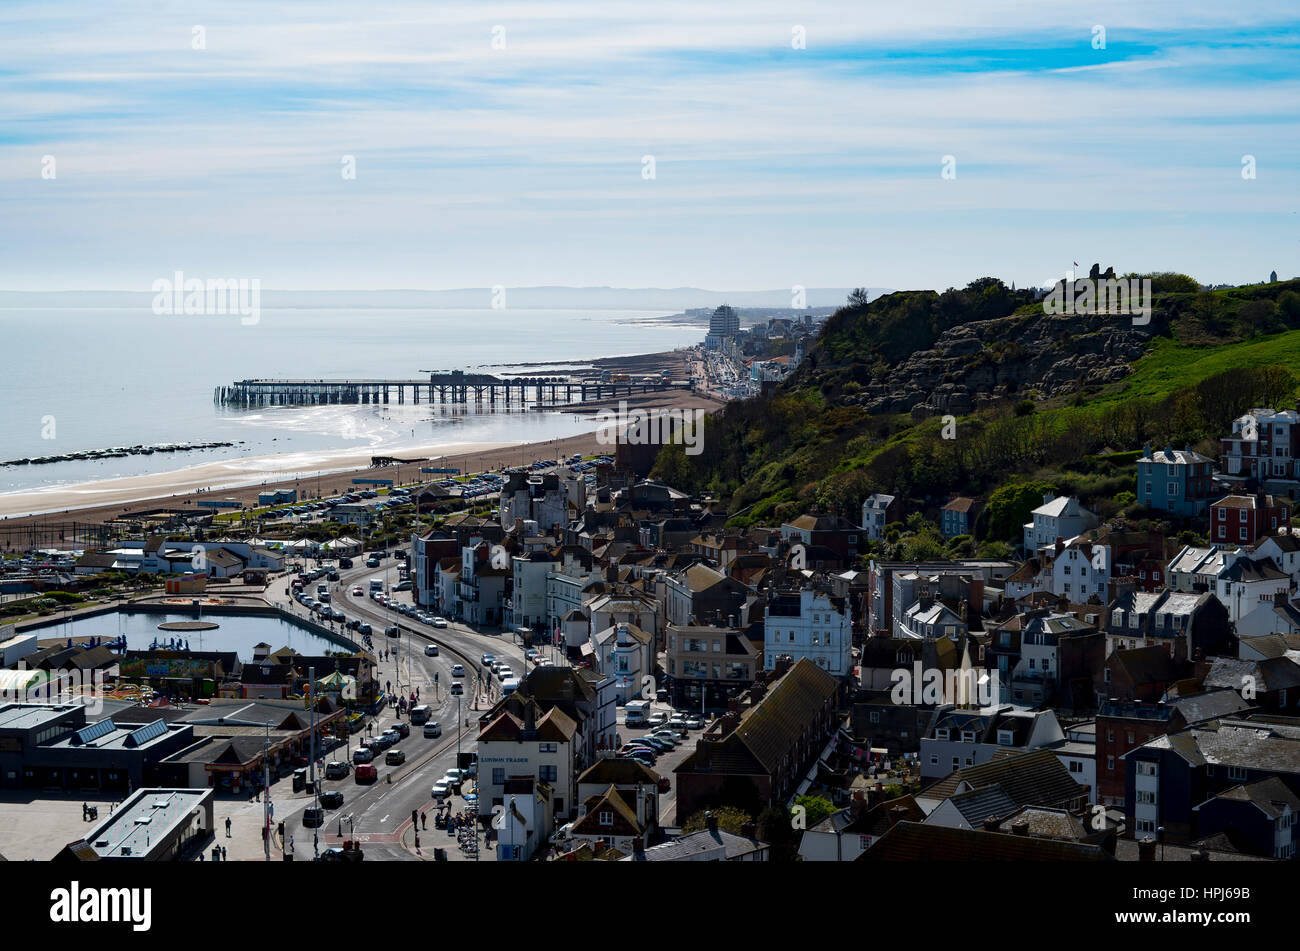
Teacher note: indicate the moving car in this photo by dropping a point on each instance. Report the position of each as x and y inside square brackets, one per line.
[487, 660]
[366, 773]
[395, 757]
[439, 622]
[337, 770]
[313, 818]
[431, 650]
[432, 730]
[332, 799]
[458, 670]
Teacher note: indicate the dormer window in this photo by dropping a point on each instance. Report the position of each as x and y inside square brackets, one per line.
[941, 733]
[1005, 738]
[968, 736]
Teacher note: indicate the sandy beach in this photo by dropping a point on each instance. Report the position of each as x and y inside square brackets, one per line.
[313, 475]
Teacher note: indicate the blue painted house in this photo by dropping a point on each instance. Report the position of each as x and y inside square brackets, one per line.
[1180, 482]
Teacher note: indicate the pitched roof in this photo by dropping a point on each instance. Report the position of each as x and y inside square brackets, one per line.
[1036, 778]
[915, 841]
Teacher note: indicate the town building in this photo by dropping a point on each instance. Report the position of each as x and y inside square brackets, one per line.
[1178, 482]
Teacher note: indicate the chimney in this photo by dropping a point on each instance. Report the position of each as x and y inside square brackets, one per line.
[727, 723]
[638, 845]
[1199, 854]
[711, 821]
[530, 717]
[1146, 850]
[1060, 545]
[1020, 827]
[731, 620]
[991, 823]
[748, 830]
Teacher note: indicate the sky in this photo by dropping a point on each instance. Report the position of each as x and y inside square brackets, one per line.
[754, 145]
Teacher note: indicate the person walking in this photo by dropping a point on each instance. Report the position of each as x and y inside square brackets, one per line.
[227, 827]
[223, 854]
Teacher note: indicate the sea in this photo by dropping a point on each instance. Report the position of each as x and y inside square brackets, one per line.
[93, 378]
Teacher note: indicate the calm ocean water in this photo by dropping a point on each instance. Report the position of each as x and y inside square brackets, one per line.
[95, 378]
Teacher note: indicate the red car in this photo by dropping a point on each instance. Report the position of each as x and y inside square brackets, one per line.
[365, 773]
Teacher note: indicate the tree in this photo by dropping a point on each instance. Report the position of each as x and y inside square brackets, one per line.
[1010, 507]
[729, 819]
[859, 297]
[816, 808]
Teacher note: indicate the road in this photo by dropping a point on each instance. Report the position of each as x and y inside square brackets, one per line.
[379, 813]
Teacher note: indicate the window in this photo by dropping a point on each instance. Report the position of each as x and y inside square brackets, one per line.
[1076, 766]
[941, 734]
[606, 817]
[1243, 533]
[875, 716]
[547, 747]
[1110, 762]
[934, 760]
[548, 774]
[1236, 772]
[968, 736]
[498, 776]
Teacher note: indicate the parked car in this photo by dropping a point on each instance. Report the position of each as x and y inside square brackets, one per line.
[391, 736]
[453, 776]
[402, 728]
[694, 723]
[363, 755]
[440, 790]
[656, 720]
[395, 757]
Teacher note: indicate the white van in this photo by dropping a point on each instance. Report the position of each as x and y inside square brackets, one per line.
[376, 584]
[637, 712]
[509, 686]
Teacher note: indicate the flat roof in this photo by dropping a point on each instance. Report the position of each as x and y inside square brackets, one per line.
[24, 716]
[144, 821]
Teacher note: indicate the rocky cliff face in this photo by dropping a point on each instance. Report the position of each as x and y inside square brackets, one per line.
[976, 364]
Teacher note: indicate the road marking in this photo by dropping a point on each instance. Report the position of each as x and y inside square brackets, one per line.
[385, 819]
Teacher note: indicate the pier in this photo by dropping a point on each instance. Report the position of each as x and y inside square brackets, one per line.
[454, 388]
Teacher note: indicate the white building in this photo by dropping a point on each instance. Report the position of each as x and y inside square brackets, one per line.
[1062, 518]
[875, 513]
[812, 624]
